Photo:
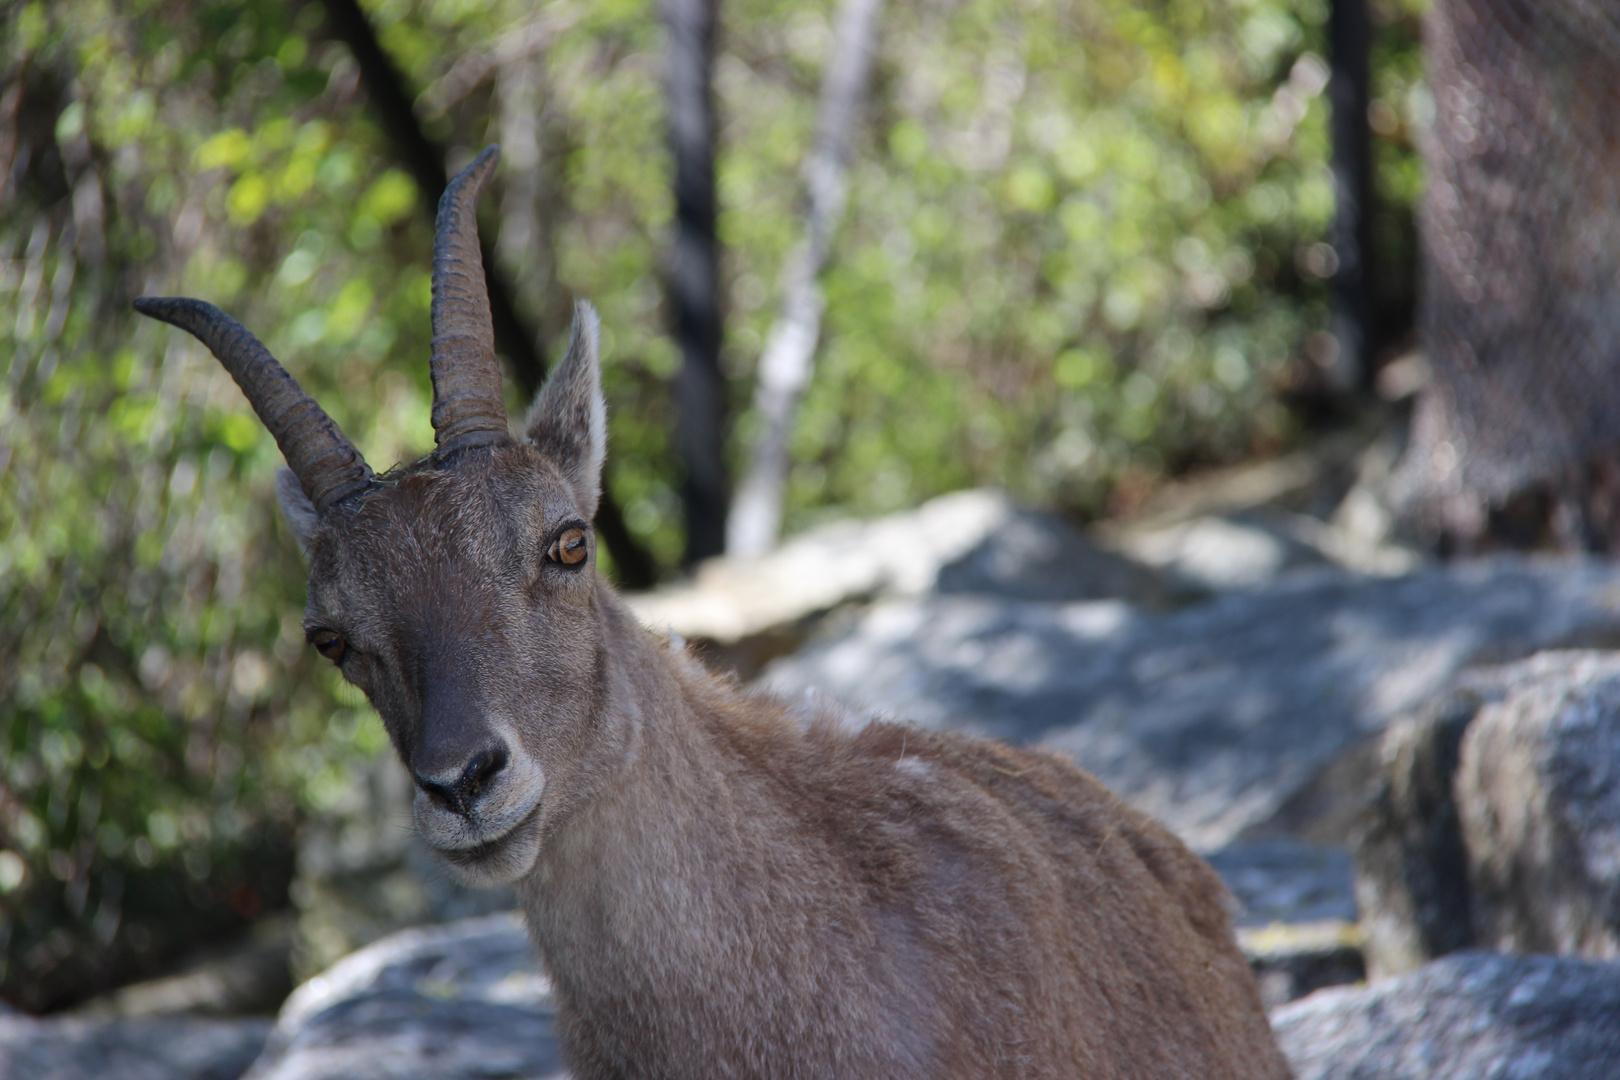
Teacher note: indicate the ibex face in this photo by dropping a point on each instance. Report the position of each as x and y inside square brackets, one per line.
[459, 592]
[461, 598]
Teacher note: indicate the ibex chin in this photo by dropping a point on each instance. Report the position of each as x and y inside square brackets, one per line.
[720, 884]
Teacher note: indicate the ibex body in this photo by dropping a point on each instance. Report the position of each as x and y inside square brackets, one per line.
[720, 884]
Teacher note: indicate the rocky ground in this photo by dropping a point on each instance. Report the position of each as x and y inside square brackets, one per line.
[1402, 769]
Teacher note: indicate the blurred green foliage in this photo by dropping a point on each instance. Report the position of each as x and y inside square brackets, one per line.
[1078, 256]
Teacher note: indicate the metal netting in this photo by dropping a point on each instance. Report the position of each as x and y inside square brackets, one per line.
[1521, 231]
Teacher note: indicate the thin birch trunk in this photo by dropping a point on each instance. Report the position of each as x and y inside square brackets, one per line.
[784, 368]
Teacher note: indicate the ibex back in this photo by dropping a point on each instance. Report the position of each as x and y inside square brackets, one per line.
[720, 884]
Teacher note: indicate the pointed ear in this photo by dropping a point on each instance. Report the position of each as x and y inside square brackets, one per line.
[568, 421]
[301, 515]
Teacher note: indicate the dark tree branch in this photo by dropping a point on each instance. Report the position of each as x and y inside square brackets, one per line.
[693, 273]
[424, 160]
[1349, 38]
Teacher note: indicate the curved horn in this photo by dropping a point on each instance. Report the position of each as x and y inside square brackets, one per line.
[325, 462]
[467, 406]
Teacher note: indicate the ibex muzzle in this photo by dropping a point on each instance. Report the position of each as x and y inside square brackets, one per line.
[720, 884]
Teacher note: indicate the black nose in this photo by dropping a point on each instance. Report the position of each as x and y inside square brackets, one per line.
[461, 793]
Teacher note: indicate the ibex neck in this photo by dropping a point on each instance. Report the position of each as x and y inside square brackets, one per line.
[653, 751]
[645, 878]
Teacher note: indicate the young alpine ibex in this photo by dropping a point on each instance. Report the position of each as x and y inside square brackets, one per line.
[719, 884]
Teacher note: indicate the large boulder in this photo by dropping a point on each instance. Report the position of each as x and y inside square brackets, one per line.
[1468, 1016]
[745, 611]
[1214, 717]
[1411, 868]
[84, 1048]
[1250, 549]
[1538, 792]
[462, 1001]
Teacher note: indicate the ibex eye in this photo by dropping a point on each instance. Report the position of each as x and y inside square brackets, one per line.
[570, 548]
[329, 645]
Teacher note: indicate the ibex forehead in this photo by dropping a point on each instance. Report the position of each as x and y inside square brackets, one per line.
[488, 509]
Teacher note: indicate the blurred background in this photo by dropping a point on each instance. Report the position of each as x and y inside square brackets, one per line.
[1073, 249]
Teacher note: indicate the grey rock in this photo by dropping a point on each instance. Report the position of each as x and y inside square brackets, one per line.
[1284, 881]
[1031, 555]
[1411, 866]
[1326, 810]
[1220, 552]
[1465, 1017]
[363, 873]
[1241, 527]
[1213, 717]
[965, 542]
[461, 1001]
[1538, 789]
[76, 1048]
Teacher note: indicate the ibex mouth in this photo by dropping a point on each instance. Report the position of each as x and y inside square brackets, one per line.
[489, 855]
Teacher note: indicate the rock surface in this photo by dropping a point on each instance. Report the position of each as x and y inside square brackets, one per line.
[462, 1001]
[1251, 549]
[966, 542]
[1466, 1017]
[1213, 717]
[1538, 792]
[1411, 869]
[79, 1048]
[1284, 881]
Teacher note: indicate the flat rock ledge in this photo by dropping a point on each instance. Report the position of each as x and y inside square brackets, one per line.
[745, 611]
[148, 1048]
[1214, 717]
[461, 1001]
[1465, 1017]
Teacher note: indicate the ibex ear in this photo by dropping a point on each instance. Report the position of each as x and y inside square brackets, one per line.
[302, 517]
[568, 421]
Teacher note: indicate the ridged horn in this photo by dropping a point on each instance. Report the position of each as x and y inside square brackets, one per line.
[468, 409]
[327, 465]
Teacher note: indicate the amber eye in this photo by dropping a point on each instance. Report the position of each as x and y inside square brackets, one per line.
[569, 548]
[329, 645]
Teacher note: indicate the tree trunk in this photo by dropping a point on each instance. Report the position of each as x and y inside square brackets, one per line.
[1517, 439]
[790, 348]
[1348, 42]
[693, 274]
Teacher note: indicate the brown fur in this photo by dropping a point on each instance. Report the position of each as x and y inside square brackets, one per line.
[721, 885]
[725, 885]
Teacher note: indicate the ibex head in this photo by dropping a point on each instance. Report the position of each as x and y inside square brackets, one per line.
[458, 592]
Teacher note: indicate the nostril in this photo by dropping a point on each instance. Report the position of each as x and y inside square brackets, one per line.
[459, 795]
[442, 794]
[480, 771]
